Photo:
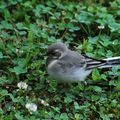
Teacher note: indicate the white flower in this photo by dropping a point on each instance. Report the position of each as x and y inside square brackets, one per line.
[44, 103]
[17, 50]
[31, 107]
[101, 27]
[113, 43]
[22, 85]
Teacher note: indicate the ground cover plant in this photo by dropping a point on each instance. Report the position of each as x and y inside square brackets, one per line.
[27, 28]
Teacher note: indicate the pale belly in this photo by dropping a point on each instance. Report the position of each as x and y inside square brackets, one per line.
[70, 75]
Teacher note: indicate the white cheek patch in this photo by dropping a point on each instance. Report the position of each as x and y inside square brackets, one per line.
[57, 50]
[54, 57]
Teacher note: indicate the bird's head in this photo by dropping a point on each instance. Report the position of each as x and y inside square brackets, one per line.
[56, 50]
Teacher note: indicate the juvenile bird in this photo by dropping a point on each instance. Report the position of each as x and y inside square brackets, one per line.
[66, 65]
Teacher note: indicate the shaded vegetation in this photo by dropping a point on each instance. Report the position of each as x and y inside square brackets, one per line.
[26, 30]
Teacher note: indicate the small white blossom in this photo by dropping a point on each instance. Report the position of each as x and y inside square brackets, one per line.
[44, 103]
[101, 27]
[17, 50]
[22, 85]
[27, 97]
[31, 107]
[113, 43]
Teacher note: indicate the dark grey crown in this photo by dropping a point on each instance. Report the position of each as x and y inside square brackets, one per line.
[57, 46]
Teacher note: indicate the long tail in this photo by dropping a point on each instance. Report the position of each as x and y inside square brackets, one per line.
[110, 62]
[105, 63]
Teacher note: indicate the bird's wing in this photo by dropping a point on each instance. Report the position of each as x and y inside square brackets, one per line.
[73, 59]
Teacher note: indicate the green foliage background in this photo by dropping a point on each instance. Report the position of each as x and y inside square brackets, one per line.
[26, 30]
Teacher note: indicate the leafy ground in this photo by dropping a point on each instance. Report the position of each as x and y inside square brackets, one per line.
[26, 30]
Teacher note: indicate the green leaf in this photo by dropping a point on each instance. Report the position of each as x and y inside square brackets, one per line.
[1, 55]
[1, 111]
[118, 84]
[21, 26]
[18, 70]
[13, 98]
[64, 116]
[97, 89]
[93, 40]
[114, 103]
[3, 92]
[4, 80]
[6, 25]
[6, 14]
[19, 116]
[95, 97]
[96, 75]
[85, 17]
[68, 98]
[76, 105]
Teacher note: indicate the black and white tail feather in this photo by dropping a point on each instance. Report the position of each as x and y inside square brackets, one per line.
[105, 63]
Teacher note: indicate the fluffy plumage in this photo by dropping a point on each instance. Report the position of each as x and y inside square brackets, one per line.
[65, 65]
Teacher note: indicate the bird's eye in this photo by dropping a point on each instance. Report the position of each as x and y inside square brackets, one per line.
[56, 53]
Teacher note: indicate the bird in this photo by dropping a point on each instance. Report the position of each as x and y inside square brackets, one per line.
[65, 65]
